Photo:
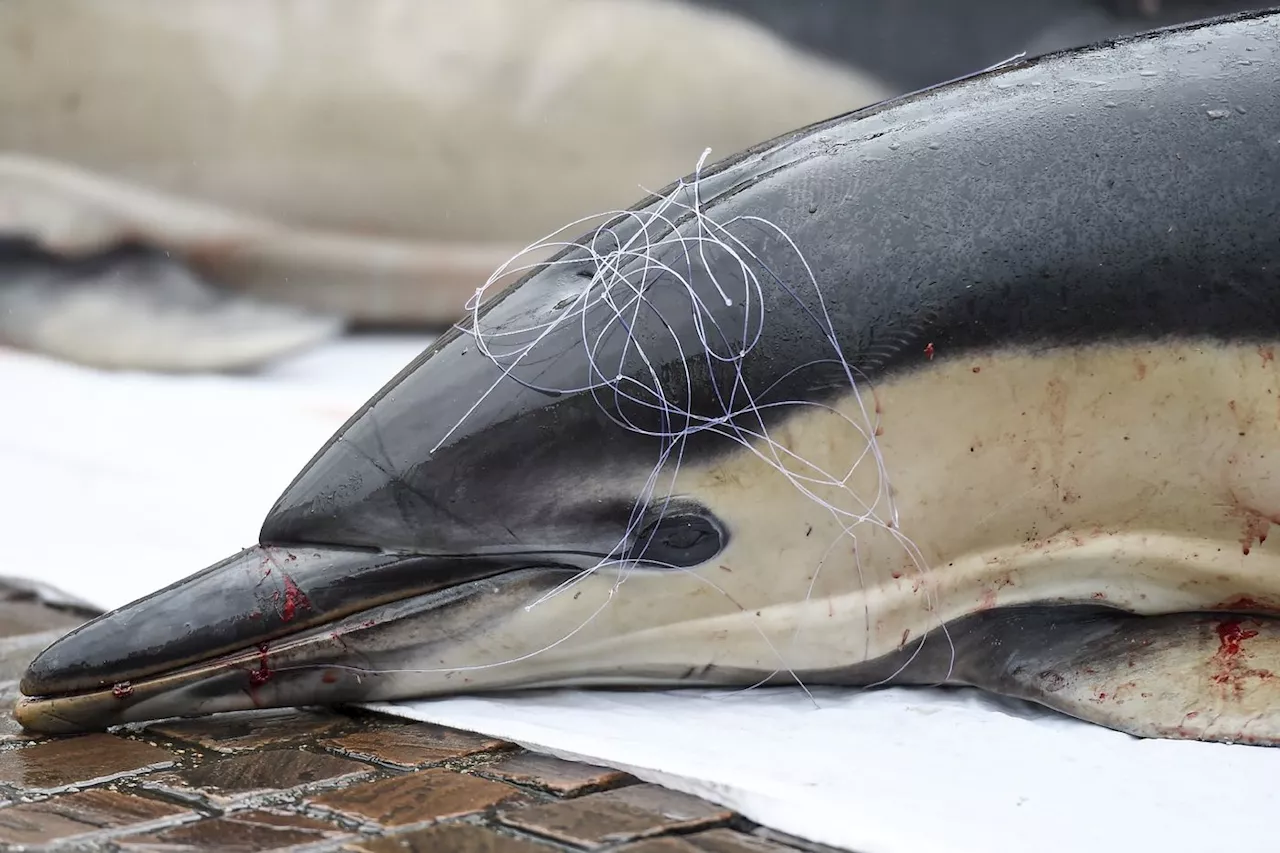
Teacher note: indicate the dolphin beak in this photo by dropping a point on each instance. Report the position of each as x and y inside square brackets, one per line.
[216, 640]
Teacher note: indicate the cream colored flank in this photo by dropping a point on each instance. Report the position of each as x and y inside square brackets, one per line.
[1139, 476]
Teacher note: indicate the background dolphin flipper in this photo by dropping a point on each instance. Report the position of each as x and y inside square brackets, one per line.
[1200, 676]
[136, 308]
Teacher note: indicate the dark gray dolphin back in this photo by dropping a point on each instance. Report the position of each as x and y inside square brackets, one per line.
[1125, 192]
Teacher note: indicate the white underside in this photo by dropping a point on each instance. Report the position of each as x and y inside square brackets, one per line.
[1139, 477]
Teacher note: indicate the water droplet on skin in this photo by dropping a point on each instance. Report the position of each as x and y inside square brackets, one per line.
[1147, 72]
[893, 146]
[1111, 105]
[1217, 114]
[935, 145]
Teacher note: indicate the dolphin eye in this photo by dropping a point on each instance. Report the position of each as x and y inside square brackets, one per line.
[679, 540]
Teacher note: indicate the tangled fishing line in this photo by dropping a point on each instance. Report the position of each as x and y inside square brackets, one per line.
[619, 271]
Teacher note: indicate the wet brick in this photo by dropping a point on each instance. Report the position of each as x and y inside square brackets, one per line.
[224, 781]
[414, 745]
[425, 796]
[451, 838]
[248, 731]
[242, 832]
[626, 814]
[713, 841]
[792, 842]
[79, 761]
[562, 778]
[86, 812]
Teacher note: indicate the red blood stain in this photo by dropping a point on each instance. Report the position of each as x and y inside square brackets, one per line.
[293, 599]
[367, 624]
[879, 431]
[1141, 367]
[1232, 667]
[264, 673]
[1099, 596]
[1230, 636]
[928, 350]
[123, 690]
[1268, 354]
[329, 677]
[257, 614]
[977, 369]
[896, 575]
[906, 632]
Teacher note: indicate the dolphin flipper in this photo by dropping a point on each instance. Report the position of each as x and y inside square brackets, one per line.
[137, 308]
[1195, 676]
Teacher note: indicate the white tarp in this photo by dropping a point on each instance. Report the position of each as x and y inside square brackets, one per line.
[115, 485]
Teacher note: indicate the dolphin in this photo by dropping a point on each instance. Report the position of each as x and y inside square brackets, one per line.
[977, 386]
[271, 167]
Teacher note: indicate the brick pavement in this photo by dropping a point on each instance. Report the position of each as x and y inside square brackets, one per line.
[320, 780]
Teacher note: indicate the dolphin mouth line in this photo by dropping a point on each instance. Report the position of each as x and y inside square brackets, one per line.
[231, 624]
[77, 711]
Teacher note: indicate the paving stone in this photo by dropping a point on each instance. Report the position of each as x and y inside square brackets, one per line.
[79, 761]
[249, 731]
[450, 838]
[791, 842]
[626, 814]
[413, 745]
[562, 778]
[713, 841]
[72, 815]
[428, 795]
[240, 832]
[224, 781]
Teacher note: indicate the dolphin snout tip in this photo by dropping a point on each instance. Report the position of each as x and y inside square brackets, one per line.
[54, 716]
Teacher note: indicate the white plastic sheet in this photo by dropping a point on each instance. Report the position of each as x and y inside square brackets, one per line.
[115, 485]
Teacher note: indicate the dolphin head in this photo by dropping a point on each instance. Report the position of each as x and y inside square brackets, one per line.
[576, 486]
